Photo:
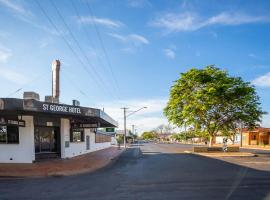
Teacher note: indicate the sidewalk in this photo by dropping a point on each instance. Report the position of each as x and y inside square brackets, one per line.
[227, 154]
[222, 154]
[256, 147]
[62, 167]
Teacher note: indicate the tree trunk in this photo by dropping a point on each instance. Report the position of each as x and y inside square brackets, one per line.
[233, 140]
[211, 141]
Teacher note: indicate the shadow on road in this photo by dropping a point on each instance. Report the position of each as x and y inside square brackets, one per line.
[138, 175]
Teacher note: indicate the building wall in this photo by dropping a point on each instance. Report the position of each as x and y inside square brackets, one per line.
[64, 131]
[245, 139]
[24, 152]
[78, 148]
[219, 139]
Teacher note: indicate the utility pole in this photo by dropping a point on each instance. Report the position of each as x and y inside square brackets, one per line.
[133, 129]
[125, 121]
[133, 133]
[125, 125]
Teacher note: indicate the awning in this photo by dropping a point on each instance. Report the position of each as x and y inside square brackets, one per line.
[83, 115]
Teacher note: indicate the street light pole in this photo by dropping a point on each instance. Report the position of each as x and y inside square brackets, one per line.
[125, 121]
[133, 128]
[125, 125]
[133, 133]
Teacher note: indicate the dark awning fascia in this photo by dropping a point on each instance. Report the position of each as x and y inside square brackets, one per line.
[30, 106]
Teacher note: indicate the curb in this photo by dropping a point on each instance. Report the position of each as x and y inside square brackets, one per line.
[110, 162]
[258, 149]
[221, 154]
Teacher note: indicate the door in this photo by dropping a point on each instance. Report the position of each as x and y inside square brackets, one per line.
[47, 140]
[87, 142]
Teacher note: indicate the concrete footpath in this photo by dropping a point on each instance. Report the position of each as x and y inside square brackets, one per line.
[226, 154]
[63, 167]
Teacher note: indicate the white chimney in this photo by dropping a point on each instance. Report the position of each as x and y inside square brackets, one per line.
[56, 81]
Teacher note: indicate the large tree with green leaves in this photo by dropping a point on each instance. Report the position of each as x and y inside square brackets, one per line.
[149, 135]
[209, 100]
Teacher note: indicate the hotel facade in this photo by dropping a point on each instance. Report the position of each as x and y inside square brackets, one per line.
[32, 130]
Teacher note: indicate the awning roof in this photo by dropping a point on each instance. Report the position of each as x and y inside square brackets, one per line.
[82, 114]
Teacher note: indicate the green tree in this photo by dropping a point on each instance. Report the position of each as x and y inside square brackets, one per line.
[149, 135]
[178, 137]
[208, 100]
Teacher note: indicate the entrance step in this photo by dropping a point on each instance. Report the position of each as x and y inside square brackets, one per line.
[46, 156]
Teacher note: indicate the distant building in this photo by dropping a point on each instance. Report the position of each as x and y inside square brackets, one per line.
[257, 136]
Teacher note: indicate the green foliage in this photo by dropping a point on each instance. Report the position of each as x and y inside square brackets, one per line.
[120, 139]
[209, 100]
[178, 137]
[149, 135]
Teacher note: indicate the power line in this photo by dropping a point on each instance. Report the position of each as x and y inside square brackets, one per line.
[65, 40]
[86, 32]
[23, 86]
[75, 85]
[102, 45]
[76, 41]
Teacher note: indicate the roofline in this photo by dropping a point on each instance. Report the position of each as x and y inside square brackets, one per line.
[32, 106]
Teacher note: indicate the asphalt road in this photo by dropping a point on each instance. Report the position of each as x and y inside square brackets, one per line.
[149, 171]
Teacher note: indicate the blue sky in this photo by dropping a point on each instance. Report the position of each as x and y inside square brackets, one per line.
[128, 53]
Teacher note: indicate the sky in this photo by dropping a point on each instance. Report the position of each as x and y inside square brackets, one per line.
[128, 53]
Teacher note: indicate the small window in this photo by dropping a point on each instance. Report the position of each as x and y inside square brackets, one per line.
[254, 137]
[77, 135]
[3, 134]
[9, 134]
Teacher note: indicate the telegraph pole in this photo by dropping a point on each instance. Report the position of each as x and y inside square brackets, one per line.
[125, 125]
[125, 121]
[133, 126]
[133, 129]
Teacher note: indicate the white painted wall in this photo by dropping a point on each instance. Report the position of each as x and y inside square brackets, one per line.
[24, 152]
[64, 132]
[79, 148]
[219, 139]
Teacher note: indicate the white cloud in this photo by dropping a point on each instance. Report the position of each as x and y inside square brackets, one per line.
[4, 54]
[27, 16]
[145, 119]
[265, 121]
[15, 7]
[252, 55]
[262, 81]
[13, 76]
[131, 38]
[169, 53]
[147, 123]
[101, 21]
[188, 21]
[138, 39]
[118, 36]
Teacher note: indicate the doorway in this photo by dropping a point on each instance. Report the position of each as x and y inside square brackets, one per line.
[47, 142]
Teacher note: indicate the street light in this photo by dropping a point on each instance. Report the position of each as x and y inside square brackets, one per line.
[125, 121]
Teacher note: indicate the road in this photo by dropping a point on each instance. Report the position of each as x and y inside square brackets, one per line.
[150, 171]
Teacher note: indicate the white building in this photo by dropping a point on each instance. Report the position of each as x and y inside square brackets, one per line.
[31, 130]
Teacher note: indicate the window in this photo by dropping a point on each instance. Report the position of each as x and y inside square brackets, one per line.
[3, 134]
[9, 134]
[77, 135]
[254, 137]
